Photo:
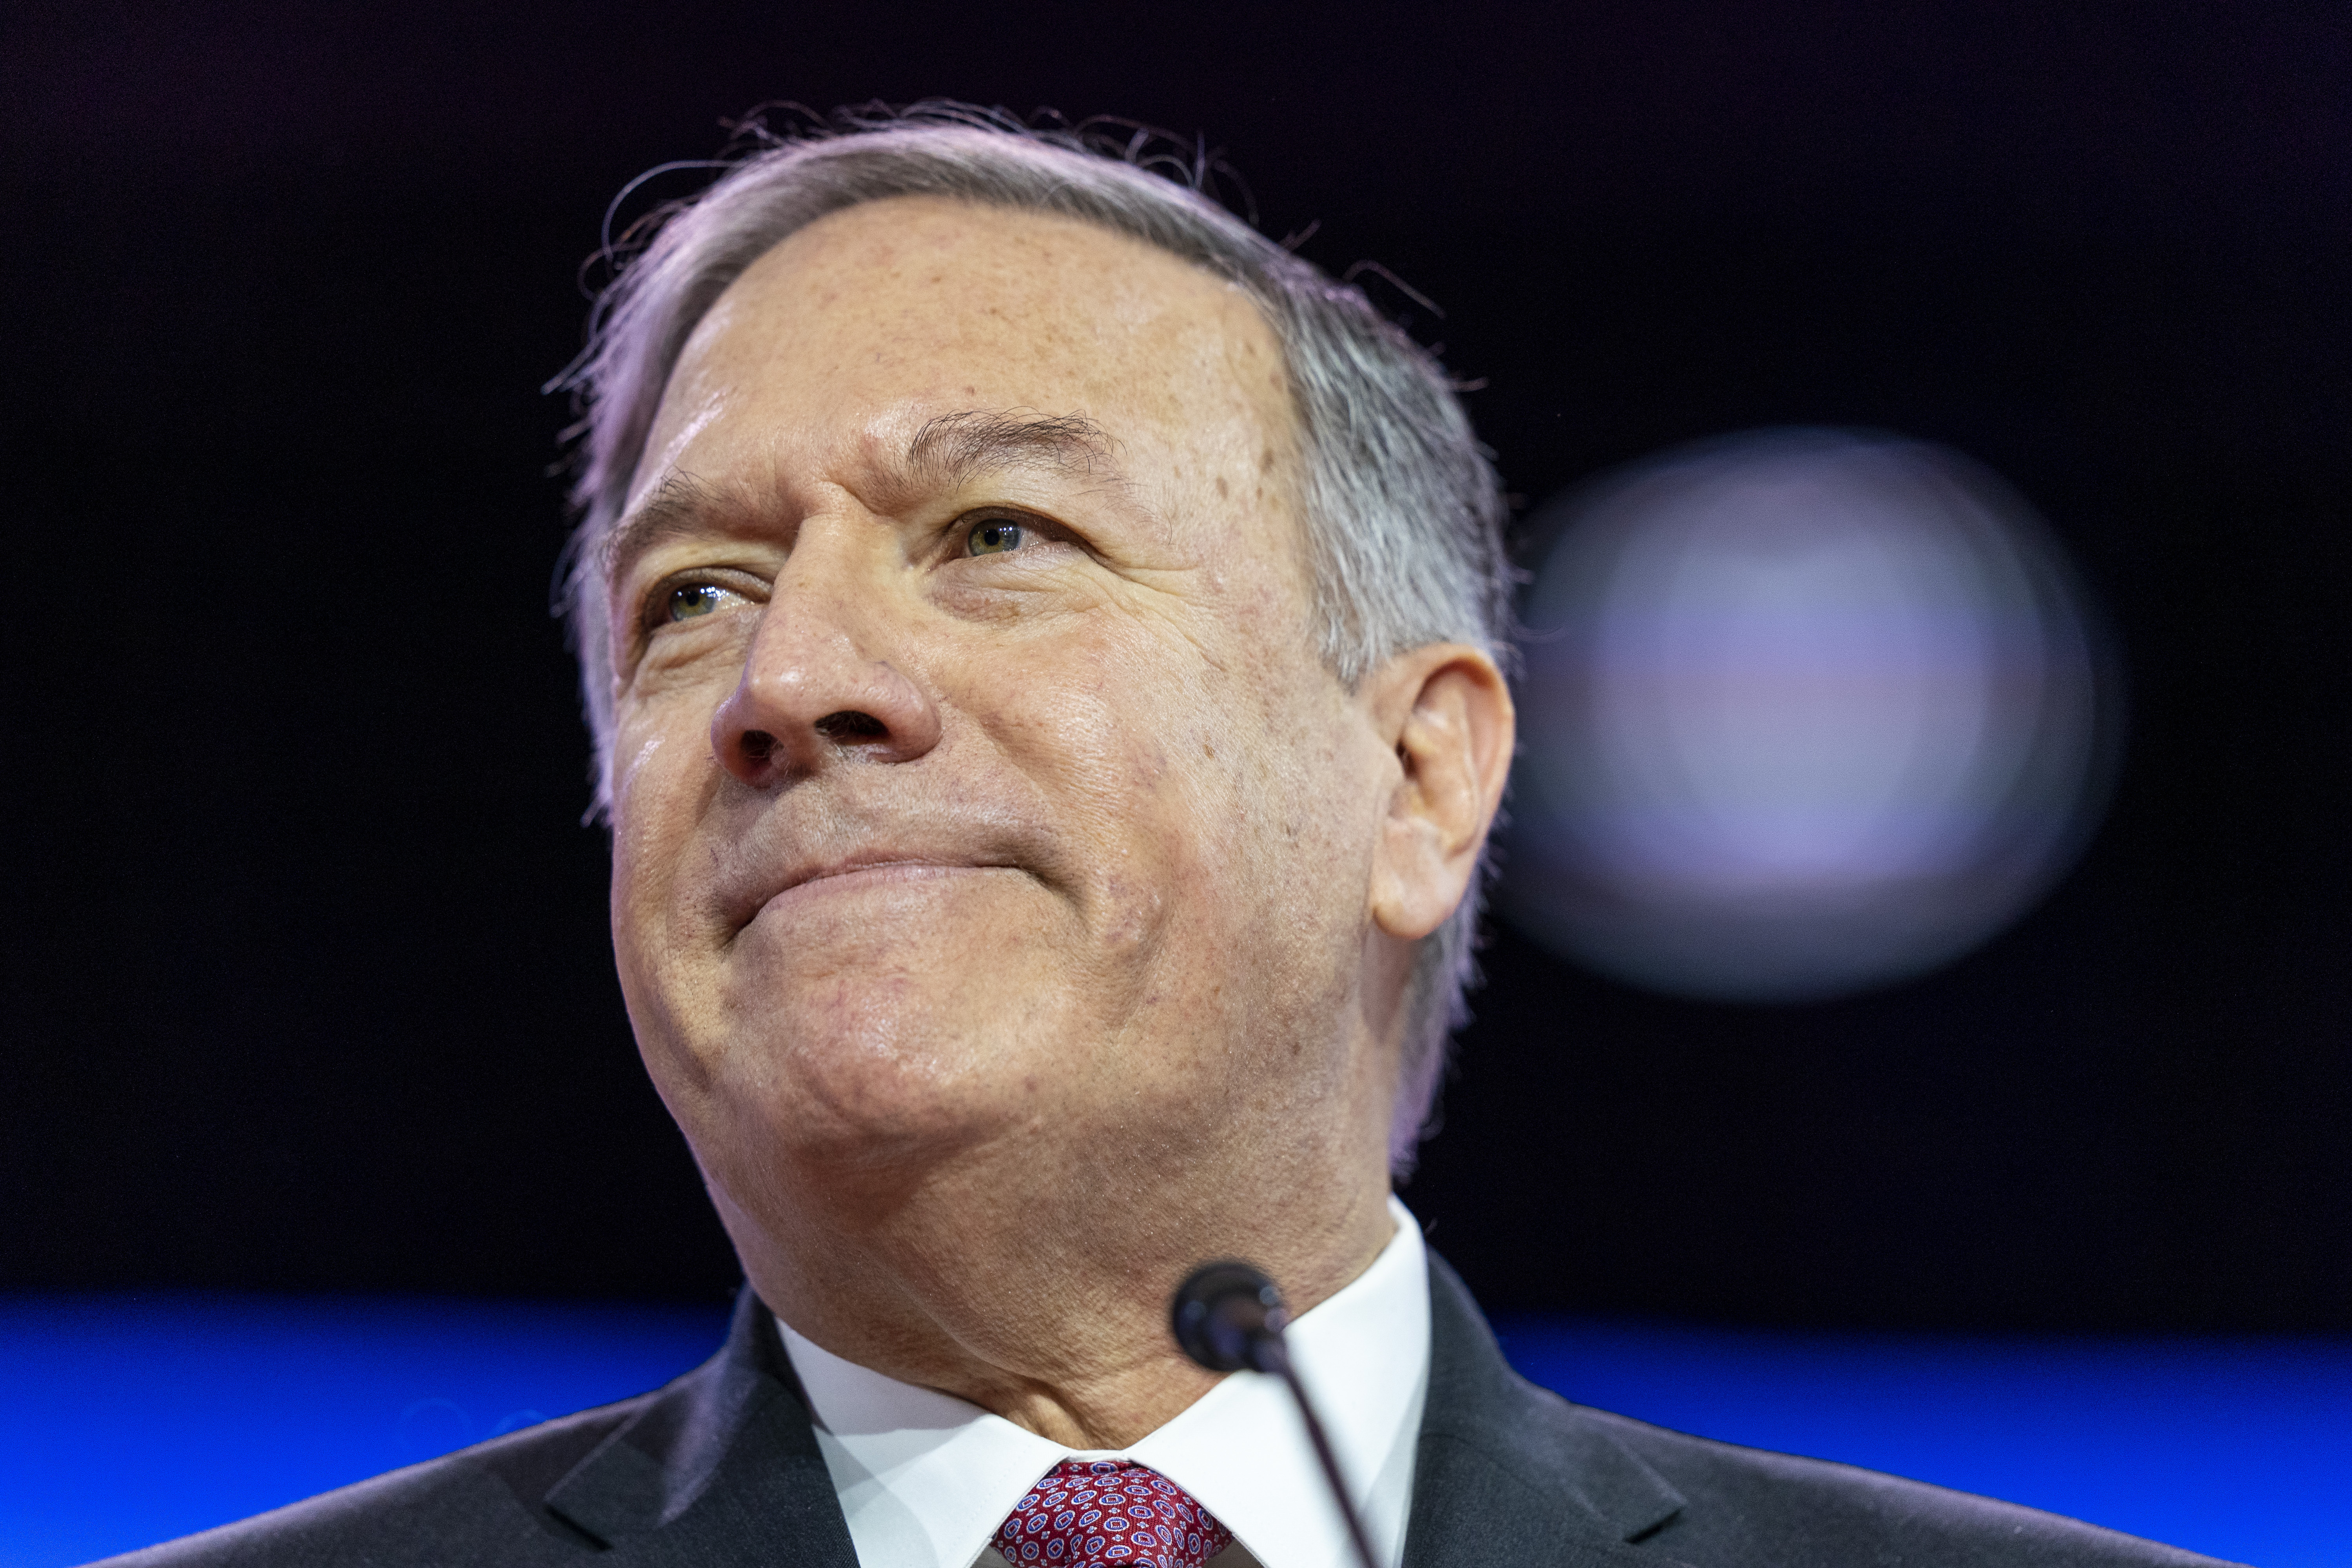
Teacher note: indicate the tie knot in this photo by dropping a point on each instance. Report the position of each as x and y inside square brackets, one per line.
[1085, 1512]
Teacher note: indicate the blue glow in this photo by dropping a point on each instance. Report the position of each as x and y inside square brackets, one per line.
[130, 1420]
[2239, 1448]
[125, 1421]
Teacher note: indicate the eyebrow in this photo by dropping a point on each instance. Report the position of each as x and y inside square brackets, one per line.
[947, 452]
[955, 448]
[677, 507]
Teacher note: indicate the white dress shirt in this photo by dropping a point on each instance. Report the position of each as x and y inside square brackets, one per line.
[926, 1478]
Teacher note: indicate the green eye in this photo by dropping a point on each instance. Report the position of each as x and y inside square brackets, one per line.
[994, 538]
[691, 602]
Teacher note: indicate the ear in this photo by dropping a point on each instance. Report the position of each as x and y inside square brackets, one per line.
[1447, 711]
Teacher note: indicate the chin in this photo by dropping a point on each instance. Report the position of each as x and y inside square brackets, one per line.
[883, 1024]
[879, 1071]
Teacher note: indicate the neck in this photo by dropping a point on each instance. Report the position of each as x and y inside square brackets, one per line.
[1042, 1294]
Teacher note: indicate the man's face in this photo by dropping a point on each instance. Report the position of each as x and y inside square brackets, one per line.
[978, 784]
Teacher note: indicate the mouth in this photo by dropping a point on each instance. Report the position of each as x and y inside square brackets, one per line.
[865, 872]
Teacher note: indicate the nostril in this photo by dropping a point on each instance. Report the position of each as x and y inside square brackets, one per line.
[757, 744]
[850, 725]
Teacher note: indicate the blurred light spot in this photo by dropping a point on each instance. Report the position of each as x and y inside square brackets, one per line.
[1804, 712]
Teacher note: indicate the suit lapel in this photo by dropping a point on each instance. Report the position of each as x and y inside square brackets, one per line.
[1509, 1474]
[720, 1467]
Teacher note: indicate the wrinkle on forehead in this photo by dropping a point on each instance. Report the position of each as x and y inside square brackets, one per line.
[972, 334]
[664, 463]
[913, 279]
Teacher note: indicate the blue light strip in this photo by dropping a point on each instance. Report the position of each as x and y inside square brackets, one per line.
[127, 1420]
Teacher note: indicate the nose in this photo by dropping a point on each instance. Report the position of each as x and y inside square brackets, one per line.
[814, 693]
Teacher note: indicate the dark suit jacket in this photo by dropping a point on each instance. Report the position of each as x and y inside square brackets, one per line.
[721, 1468]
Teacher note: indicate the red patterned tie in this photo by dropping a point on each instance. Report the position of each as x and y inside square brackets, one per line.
[1086, 1512]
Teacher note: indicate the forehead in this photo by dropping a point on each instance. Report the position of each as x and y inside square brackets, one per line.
[871, 321]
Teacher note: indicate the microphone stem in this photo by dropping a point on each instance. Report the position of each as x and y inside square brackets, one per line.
[1289, 1374]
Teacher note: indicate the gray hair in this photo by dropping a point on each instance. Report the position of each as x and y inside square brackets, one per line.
[1403, 514]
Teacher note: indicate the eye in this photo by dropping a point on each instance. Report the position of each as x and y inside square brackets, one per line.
[993, 537]
[694, 597]
[691, 601]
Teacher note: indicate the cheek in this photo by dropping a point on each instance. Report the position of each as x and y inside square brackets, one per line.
[1096, 726]
[1282, 782]
[1170, 774]
[660, 775]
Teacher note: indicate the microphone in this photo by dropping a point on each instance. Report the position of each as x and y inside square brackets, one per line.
[1229, 1317]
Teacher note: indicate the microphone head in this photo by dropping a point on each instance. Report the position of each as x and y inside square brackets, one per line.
[1229, 1316]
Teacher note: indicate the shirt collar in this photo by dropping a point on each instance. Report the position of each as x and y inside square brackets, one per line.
[925, 1479]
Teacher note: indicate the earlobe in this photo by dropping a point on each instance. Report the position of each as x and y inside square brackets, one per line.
[1448, 712]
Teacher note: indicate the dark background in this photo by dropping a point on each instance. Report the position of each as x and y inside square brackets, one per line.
[308, 985]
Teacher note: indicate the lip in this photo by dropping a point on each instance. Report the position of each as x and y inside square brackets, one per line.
[865, 870]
